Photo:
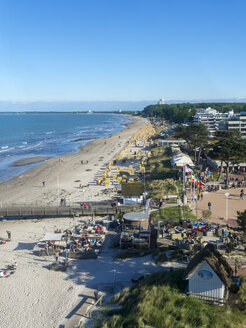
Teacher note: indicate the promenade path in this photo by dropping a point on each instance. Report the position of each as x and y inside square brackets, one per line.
[218, 201]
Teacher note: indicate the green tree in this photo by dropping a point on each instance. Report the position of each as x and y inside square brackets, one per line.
[241, 220]
[180, 113]
[196, 136]
[229, 148]
[206, 214]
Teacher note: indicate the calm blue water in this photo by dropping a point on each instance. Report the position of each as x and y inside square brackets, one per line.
[30, 135]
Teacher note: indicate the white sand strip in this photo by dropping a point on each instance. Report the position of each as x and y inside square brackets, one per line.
[64, 176]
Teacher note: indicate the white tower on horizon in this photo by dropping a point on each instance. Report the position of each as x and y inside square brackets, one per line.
[161, 101]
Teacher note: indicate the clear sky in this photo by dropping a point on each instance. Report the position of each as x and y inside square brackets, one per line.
[126, 50]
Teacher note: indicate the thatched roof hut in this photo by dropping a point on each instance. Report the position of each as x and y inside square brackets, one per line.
[215, 260]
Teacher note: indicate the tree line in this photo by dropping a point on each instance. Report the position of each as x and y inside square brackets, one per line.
[180, 113]
[227, 146]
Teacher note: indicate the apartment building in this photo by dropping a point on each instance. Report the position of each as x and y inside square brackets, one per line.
[238, 122]
[212, 119]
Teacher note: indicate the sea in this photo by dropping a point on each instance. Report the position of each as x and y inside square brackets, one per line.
[26, 135]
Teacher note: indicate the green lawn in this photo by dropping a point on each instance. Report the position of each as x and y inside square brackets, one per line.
[173, 213]
[157, 301]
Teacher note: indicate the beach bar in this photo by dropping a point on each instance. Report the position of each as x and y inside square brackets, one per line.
[136, 220]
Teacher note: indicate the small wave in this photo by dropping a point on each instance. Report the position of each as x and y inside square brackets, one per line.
[50, 132]
[4, 147]
[31, 146]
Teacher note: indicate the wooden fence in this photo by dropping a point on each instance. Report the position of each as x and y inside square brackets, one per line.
[209, 299]
[32, 211]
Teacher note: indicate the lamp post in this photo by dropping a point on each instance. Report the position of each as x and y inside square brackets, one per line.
[196, 199]
[184, 191]
[226, 213]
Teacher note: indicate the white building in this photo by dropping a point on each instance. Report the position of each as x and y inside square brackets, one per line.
[209, 274]
[179, 160]
[171, 142]
[212, 119]
[238, 122]
[129, 200]
[161, 101]
[133, 193]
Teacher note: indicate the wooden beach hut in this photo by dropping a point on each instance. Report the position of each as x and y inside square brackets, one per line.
[133, 193]
[209, 275]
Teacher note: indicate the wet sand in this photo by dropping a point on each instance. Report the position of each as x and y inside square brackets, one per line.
[30, 160]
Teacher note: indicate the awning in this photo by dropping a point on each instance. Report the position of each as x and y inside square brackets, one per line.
[53, 236]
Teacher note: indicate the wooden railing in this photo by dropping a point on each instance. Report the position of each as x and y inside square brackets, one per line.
[89, 311]
[209, 299]
[32, 210]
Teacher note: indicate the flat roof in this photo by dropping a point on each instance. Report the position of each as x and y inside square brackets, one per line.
[136, 216]
[53, 236]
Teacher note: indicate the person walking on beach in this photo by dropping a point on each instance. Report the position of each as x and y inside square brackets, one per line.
[201, 195]
[9, 234]
[209, 206]
[43, 183]
[241, 195]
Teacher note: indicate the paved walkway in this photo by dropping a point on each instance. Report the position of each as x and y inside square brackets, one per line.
[218, 201]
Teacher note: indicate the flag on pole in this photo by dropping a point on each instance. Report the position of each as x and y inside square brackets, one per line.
[187, 169]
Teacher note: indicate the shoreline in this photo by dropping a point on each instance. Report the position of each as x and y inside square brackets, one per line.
[30, 160]
[65, 175]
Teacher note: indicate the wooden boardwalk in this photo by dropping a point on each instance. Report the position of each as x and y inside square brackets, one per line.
[80, 311]
[38, 211]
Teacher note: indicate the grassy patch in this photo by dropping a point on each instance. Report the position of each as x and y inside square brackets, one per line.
[122, 256]
[161, 258]
[131, 253]
[163, 187]
[157, 301]
[241, 299]
[159, 164]
[173, 213]
[177, 255]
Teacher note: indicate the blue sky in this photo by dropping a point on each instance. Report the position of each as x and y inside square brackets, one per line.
[125, 50]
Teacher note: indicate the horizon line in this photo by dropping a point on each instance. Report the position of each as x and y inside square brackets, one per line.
[243, 99]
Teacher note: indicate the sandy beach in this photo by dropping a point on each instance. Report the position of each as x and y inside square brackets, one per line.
[34, 296]
[72, 177]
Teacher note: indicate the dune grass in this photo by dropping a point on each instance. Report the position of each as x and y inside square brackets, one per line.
[157, 301]
[159, 164]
